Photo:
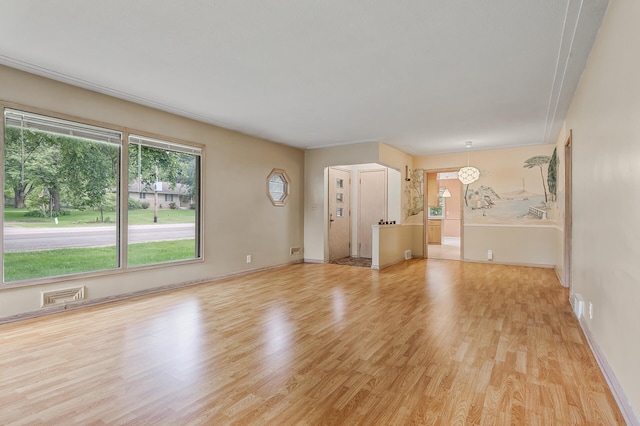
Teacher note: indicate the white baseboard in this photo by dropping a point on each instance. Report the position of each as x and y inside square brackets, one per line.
[560, 278]
[102, 300]
[492, 262]
[610, 377]
[386, 265]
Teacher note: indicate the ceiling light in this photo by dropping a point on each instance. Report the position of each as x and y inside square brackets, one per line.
[468, 174]
[444, 193]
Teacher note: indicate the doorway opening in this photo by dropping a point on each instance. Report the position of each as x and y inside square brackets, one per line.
[443, 204]
[369, 193]
[339, 213]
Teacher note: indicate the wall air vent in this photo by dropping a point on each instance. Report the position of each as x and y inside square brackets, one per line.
[407, 254]
[577, 303]
[62, 296]
[295, 250]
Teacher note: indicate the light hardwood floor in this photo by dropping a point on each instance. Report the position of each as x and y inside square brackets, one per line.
[422, 342]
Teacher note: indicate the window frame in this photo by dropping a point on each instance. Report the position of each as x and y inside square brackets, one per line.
[287, 187]
[171, 144]
[122, 201]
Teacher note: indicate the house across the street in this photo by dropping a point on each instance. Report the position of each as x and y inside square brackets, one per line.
[180, 194]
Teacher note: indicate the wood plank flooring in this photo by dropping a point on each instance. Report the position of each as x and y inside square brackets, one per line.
[432, 342]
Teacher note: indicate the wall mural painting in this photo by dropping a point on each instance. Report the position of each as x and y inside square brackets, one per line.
[521, 193]
[413, 200]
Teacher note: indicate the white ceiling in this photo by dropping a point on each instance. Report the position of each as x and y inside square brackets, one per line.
[422, 75]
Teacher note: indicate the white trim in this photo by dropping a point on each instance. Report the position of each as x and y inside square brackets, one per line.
[62, 307]
[610, 377]
[354, 142]
[386, 265]
[84, 84]
[560, 279]
[530, 265]
[499, 225]
[135, 139]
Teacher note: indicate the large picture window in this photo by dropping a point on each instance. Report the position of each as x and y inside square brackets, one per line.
[62, 198]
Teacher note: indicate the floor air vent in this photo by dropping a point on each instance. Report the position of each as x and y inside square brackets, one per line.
[63, 295]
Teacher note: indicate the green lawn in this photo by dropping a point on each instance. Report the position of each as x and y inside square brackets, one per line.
[162, 251]
[48, 263]
[16, 217]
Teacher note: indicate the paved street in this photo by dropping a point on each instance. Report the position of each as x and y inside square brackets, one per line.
[25, 239]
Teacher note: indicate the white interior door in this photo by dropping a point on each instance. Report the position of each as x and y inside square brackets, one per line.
[372, 206]
[339, 213]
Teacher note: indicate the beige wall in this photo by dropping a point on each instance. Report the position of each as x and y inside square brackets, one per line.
[605, 119]
[389, 244]
[238, 217]
[528, 244]
[417, 240]
[519, 245]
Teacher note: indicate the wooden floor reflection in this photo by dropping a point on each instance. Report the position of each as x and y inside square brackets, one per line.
[423, 342]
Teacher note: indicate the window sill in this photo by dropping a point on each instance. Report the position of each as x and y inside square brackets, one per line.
[95, 274]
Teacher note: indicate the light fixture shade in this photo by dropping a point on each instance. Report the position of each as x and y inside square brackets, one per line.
[446, 193]
[468, 174]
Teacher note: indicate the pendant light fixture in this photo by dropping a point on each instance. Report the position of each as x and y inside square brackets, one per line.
[446, 193]
[468, 174]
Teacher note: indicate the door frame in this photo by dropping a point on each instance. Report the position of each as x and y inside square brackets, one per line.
[425, 211]
[568, 212]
